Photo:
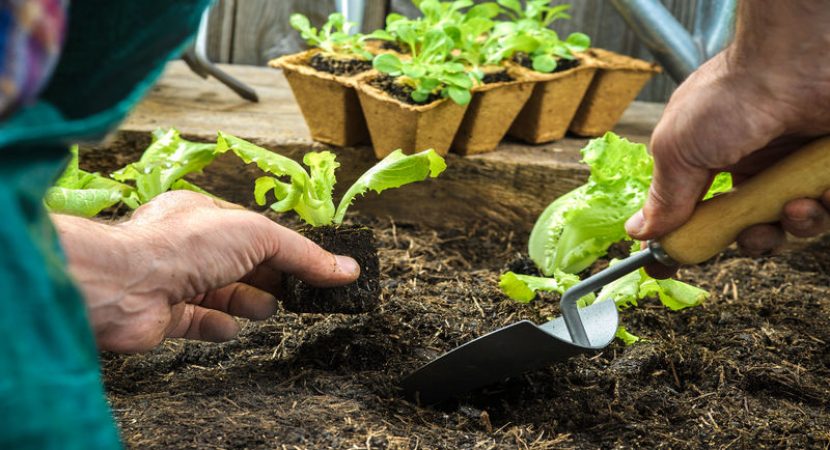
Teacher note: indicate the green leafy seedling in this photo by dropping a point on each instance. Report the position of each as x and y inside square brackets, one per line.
[309, 192]
[164, 165]
[80, 193]
[333, 37]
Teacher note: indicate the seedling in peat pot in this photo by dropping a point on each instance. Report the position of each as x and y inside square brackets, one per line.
[341, 53]
[309, 194]
[529, 39]
[428, 74]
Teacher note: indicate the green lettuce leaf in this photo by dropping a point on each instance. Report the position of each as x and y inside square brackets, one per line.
[523, 288]
[164, 164]
[396, 170]
[80, 193]
[628, 338]
[309, 195]
[578, 227]
[80, 202]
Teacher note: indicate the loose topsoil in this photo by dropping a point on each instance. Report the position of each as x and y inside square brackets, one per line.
[336, 66]
[749, 369]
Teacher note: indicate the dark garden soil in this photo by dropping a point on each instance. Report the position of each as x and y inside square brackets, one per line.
[500, 76]
[750, 369]
[399, 92]
[562, 64]
[337, 66]
[359, 297]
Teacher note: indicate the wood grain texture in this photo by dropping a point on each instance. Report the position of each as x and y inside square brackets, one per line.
[260, 29]
[510, 187]
[716, 223]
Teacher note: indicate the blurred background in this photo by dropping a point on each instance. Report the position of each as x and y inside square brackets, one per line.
[254, 31]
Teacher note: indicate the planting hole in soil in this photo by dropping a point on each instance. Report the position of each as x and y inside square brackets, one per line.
[359, 297]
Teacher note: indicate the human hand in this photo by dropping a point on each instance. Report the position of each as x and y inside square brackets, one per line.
[183, 266]
[728, 116]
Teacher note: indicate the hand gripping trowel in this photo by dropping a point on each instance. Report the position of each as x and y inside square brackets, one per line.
[524, 346]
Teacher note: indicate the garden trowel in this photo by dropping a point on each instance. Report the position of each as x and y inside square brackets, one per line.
[715, 225]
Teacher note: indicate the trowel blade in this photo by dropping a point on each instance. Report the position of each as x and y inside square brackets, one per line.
[507, 352]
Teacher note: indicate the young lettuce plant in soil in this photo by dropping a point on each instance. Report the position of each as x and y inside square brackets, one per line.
[579, 227]
[309, 194]
[323, 79]
[161, 168]
[80, 193]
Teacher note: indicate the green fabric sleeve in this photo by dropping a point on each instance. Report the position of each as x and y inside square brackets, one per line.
[51, 395]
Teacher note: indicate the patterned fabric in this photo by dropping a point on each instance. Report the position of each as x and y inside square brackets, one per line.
[31, 33]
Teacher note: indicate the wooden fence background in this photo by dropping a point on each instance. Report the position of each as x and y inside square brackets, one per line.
[254, 31]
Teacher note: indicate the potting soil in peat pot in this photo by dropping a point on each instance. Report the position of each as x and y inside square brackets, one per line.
[359, 297]
[346, 67]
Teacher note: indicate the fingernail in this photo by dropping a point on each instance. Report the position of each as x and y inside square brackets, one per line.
[347, 265]
[635, 224]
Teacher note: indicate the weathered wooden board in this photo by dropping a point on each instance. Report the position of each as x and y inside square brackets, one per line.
[259, 29]
[510, 186]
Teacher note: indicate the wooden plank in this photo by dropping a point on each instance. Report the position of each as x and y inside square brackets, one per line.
[221, 30]
[510, 186]
[262, 31]
[374, 17]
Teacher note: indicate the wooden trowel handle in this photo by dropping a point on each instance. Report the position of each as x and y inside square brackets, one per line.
[717, 222]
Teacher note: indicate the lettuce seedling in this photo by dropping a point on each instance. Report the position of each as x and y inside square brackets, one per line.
[578, 227]
[163, 166]
[309, 192]
[430, 68]
[333, 37]
[80, 193]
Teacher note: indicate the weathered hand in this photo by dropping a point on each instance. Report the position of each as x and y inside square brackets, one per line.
[183, 266]
[740, 112]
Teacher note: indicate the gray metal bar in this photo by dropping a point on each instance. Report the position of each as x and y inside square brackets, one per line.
[196, 58]
[570, 311]
[677, 50]
[657, 28]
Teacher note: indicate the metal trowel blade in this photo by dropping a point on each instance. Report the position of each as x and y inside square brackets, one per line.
[507, 352]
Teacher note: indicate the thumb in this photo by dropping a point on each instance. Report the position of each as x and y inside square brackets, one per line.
[675, 190]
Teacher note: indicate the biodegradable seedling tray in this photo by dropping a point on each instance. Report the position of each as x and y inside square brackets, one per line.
[411, 128]
[552, 105]
[616, 84]
[328, 102]
[491, 112]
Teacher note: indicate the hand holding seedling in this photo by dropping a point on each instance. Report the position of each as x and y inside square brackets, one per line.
[762, 98]
[183, 266]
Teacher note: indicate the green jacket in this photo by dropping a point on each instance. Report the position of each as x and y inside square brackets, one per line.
[51, 394]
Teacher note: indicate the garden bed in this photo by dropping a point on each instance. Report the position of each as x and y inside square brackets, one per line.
[749, 369]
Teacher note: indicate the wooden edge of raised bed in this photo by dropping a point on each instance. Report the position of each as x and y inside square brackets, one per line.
[510, 186]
